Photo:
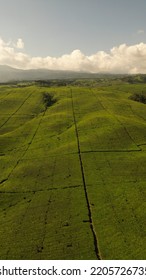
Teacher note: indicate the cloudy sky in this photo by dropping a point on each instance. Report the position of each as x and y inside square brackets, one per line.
[82, 35]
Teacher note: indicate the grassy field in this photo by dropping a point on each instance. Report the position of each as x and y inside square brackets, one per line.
[72, 172]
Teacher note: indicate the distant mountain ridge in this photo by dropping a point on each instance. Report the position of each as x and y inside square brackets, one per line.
[9, 74]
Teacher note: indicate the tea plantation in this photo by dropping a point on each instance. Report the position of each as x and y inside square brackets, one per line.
[72, 172]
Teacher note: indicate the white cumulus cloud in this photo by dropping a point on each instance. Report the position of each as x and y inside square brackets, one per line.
[120, 59]
[20, 44]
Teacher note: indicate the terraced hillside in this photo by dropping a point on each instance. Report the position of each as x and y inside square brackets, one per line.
[72, 172]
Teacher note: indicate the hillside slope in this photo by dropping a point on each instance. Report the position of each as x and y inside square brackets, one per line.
[72, 173]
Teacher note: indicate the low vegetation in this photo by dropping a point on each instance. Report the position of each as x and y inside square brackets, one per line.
[72, 175]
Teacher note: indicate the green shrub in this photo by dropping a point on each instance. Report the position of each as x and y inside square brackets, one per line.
[139, 97]
[48, 99]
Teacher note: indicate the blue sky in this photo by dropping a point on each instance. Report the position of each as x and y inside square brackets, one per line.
[55, 27]
[58, 27]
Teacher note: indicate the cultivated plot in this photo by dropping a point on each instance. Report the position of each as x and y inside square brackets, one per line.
[72, 173]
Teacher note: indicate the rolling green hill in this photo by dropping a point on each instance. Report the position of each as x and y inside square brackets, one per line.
[72, 172]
